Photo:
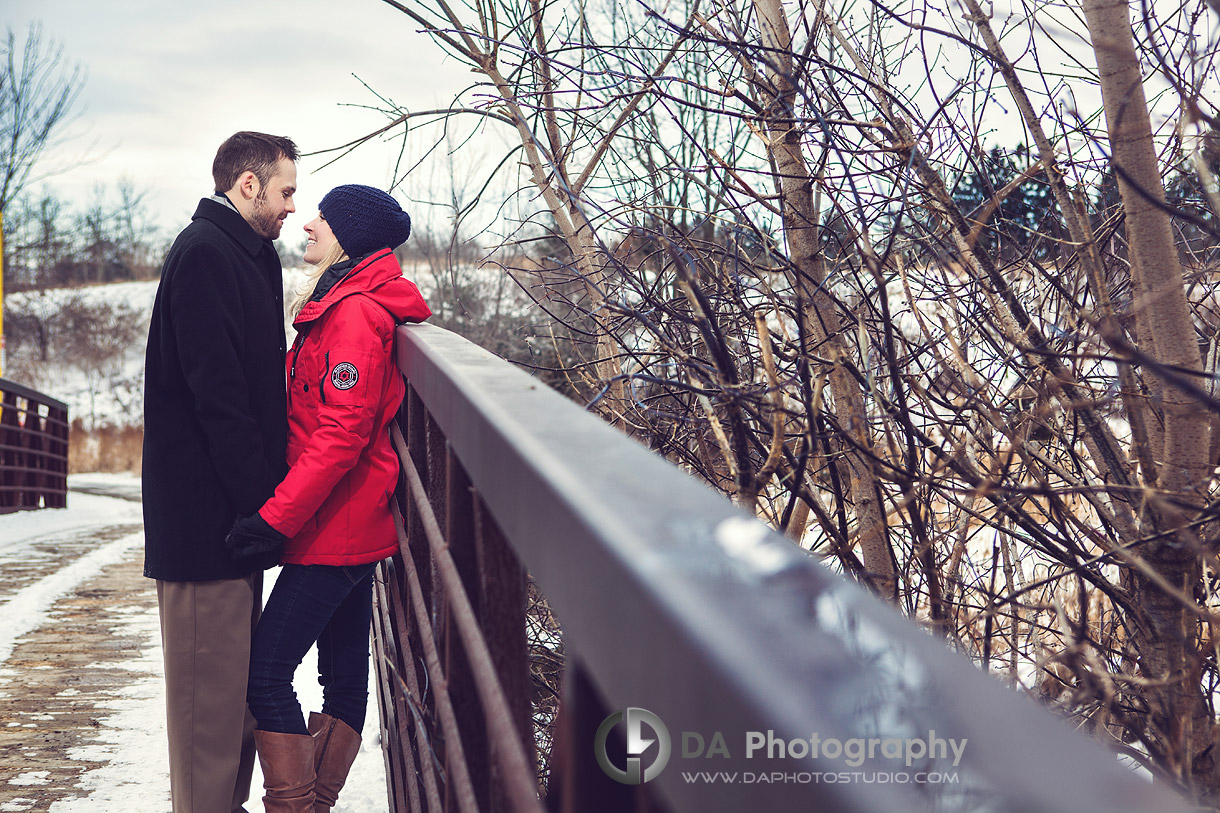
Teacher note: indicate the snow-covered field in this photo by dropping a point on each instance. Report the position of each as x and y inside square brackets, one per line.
[112, 394]
[131, 741]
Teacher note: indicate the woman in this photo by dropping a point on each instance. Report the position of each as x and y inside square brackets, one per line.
[332, 511]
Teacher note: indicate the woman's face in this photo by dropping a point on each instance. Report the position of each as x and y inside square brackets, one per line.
[321, 238]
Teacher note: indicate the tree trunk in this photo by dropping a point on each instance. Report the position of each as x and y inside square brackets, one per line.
[820, 317]
[1179, 722]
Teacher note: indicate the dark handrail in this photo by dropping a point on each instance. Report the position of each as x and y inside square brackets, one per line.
[674, 601]
[33, 449]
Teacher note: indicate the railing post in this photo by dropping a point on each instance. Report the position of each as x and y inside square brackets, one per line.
[27, 497]
[57, 456]
[8, 473]
[458, 527]
[11, 476]
[578, 784]
[415, 432]
[502, 607]
[433, 474]
[40, 462]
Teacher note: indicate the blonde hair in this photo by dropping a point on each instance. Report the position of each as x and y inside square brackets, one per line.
[334, 255]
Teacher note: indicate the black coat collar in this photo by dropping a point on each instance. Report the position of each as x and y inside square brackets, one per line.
[233, 224]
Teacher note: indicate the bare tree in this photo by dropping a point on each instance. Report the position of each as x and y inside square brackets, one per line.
[49, 244]
[1178, 469]
[39, 93]
[768, 277]
[94, 337]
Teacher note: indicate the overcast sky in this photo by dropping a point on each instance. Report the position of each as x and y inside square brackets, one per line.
[169, 80]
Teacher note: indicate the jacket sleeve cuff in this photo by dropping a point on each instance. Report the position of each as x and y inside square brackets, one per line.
[275, 525]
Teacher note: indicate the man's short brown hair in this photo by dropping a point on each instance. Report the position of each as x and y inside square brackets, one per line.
[253, 152]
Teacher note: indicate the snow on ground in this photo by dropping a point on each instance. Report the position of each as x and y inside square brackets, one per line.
[27, 609]
[108, 394]
[113, 394]
[131, 741]
[85, 511]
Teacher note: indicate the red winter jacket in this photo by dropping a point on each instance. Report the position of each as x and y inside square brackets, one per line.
[344, 388]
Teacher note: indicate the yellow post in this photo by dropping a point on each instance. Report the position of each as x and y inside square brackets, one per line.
[1, 294]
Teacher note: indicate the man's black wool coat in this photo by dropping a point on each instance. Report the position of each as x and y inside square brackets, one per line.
[215, 418]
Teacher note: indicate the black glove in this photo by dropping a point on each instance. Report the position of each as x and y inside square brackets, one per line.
[251, 541]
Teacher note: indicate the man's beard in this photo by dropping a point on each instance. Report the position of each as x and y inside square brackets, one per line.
[263, 220]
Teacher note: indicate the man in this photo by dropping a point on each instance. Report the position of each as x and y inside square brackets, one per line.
[215, 431]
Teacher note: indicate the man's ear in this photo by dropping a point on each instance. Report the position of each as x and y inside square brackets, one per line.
[248, 185]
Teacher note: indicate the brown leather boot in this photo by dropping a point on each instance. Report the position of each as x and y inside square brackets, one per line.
[288, 773]
[335, 747]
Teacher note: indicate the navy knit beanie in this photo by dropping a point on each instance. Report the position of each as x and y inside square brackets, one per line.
[364, 219]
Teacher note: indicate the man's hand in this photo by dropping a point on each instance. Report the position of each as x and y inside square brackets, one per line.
[252, 541]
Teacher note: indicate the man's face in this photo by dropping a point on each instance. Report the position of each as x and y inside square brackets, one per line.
[274, 201]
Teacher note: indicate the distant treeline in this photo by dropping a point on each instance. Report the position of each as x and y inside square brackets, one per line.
[48, 243]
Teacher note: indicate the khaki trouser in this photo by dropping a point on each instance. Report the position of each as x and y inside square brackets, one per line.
[205, 633]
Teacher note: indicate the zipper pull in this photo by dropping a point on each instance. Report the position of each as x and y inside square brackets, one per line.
[296, 353]
[325, 373]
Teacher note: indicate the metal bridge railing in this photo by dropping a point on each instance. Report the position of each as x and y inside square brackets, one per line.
[33, 449]
[775, 684]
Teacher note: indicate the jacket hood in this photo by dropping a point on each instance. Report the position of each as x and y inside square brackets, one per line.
[378, 276]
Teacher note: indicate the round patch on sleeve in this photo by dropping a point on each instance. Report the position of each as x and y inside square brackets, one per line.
[344, 376]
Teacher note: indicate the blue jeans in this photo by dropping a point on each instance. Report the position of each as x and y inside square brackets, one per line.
[330, 605]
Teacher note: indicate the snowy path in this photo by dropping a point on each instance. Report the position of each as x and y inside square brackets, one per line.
[81, 695]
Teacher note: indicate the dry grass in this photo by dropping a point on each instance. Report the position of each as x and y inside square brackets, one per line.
[105, 448]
